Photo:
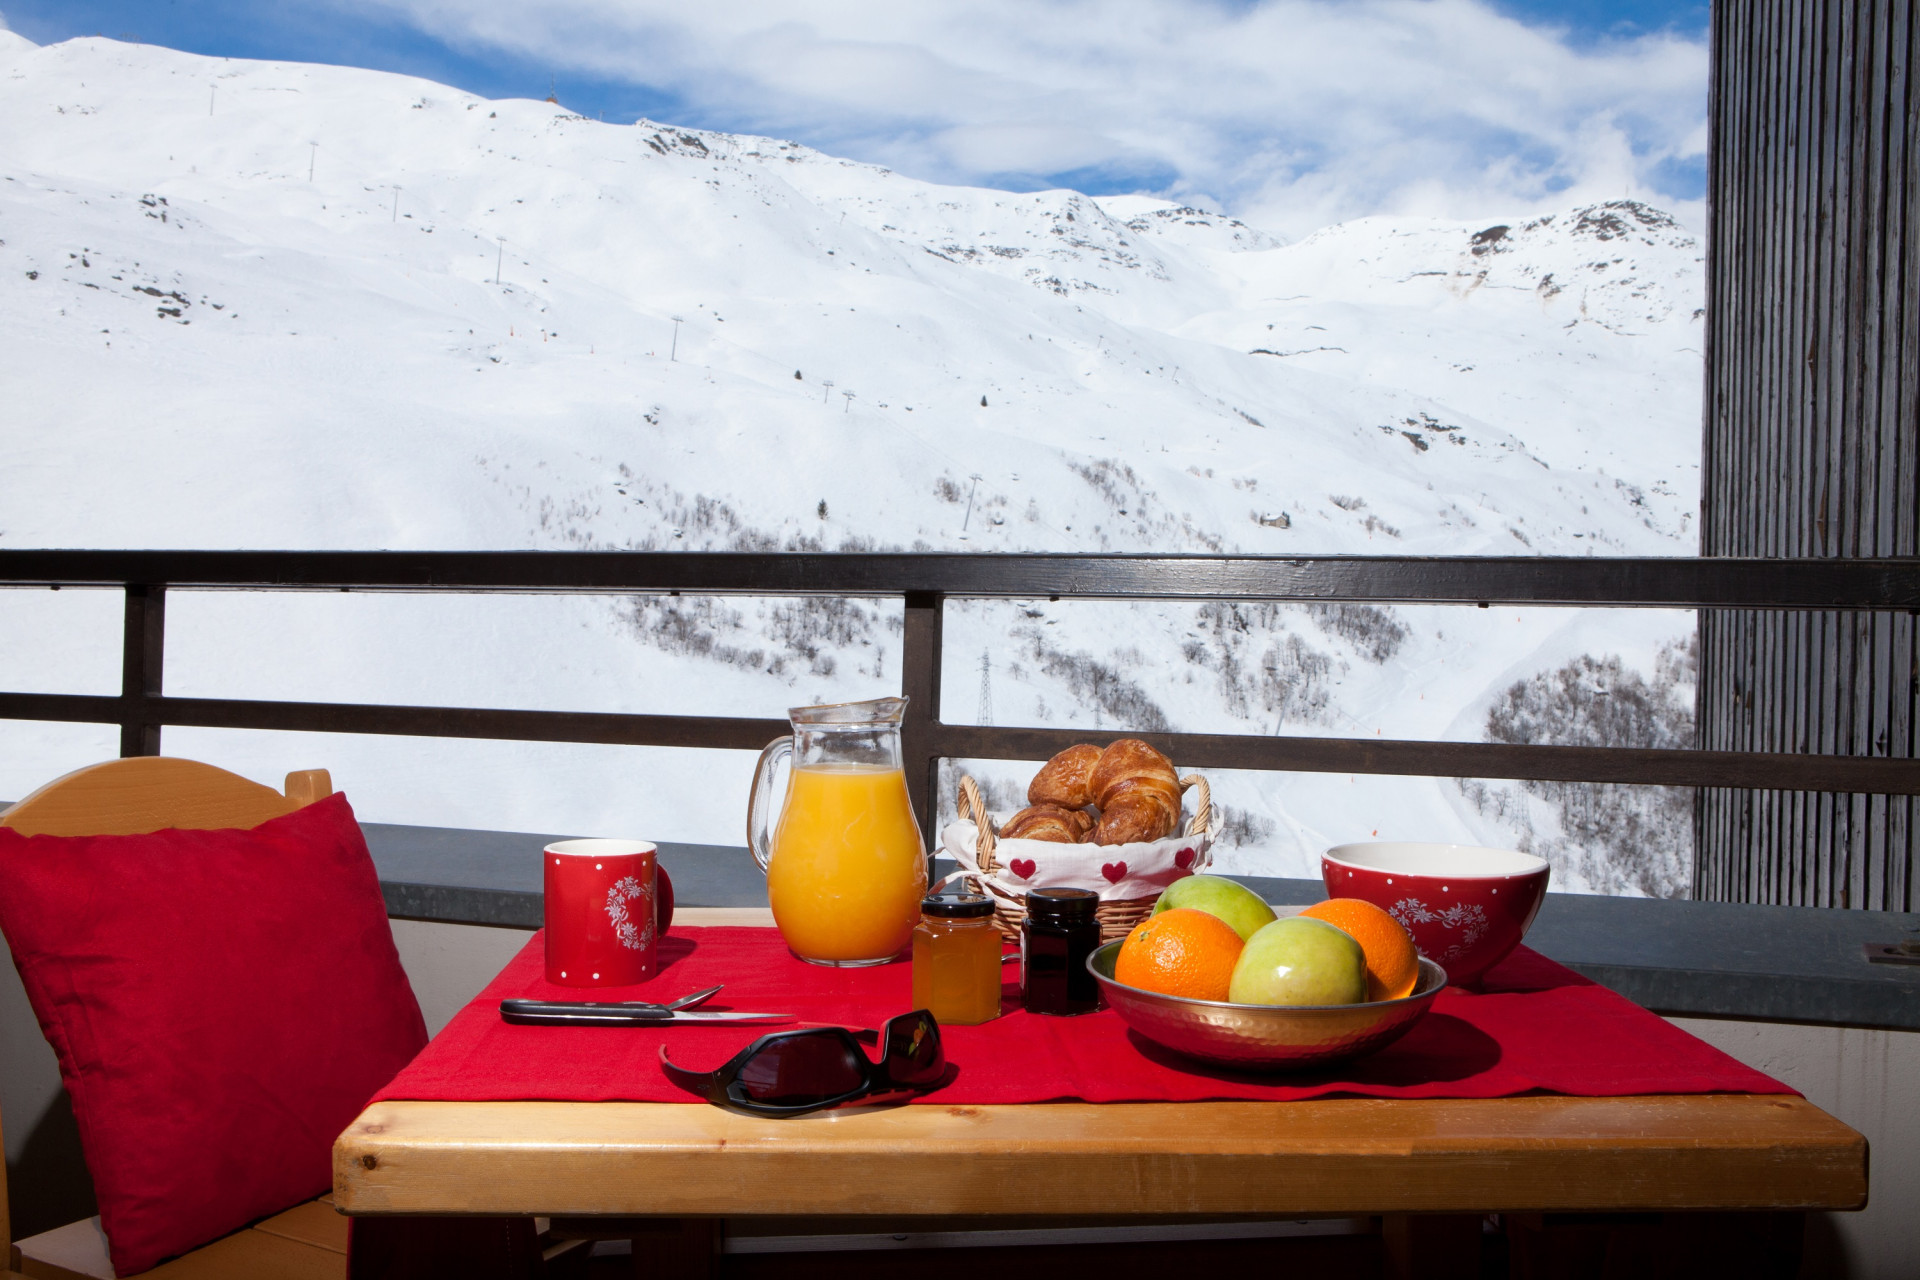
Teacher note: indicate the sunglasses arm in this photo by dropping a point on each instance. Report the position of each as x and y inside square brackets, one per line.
[705, 1084]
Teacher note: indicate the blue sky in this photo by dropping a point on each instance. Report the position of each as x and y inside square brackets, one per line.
[1291, 113]
[1598, 19]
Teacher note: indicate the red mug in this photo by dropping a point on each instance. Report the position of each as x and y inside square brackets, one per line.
[607, 902]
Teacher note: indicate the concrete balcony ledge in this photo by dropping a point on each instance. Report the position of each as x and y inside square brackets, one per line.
[1693, 959]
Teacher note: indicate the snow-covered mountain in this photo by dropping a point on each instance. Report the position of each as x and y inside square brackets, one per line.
[269, 305]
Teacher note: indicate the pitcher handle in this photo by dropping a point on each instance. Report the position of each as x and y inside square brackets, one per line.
[760, 801]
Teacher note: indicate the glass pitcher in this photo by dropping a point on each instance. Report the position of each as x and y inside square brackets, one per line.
[845, 866]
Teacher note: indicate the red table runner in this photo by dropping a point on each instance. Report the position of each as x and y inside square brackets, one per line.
[1537, 1027]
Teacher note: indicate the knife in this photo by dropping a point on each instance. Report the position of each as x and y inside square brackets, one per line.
[586, 1014]
[628, 1013]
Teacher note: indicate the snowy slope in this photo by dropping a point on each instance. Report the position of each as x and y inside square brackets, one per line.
[255, 304]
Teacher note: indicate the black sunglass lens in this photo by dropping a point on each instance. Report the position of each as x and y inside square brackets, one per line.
[801, 1070]
[914, 1055]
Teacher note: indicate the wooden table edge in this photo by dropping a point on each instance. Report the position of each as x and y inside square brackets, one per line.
[1329, 1156]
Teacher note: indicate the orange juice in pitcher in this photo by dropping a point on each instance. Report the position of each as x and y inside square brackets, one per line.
[845, 865]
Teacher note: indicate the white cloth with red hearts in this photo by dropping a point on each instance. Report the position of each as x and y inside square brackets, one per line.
[1114, 871]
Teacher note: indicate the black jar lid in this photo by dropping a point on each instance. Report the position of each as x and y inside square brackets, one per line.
[965, 906]
[1062, 904]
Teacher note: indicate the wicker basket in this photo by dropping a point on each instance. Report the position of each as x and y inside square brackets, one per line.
[1117, 916]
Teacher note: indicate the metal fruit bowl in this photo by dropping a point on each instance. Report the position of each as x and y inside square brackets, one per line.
[1259, 1037]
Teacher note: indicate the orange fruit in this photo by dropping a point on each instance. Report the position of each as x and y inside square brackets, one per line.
[1182, 952]
[1393, 962]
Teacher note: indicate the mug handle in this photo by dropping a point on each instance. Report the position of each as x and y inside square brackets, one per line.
[760, 801]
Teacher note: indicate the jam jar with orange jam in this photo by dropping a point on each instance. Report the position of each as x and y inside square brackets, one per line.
[956, 960]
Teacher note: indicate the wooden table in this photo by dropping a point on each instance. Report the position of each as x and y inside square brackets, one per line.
[1348, 1156]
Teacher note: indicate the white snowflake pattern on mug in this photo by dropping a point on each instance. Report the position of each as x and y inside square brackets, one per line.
[632, 936]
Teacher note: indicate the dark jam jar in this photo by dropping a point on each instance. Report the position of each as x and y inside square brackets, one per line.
[1059, 934]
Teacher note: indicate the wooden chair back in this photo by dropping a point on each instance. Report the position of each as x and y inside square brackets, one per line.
[138, 794]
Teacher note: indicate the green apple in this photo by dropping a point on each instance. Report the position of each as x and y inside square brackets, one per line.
[1300, 961]
[1218, 896]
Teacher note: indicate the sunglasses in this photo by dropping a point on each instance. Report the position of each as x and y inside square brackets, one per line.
[790, 1073]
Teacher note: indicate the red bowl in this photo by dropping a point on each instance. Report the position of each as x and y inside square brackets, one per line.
[1466, 907]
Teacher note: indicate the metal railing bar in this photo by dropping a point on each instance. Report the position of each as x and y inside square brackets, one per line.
[1641, 766]
[923, 631]
[1523, 580]
[607, 728]
[70, 708]
[1521, 761]
[610, 728]
[142, 658]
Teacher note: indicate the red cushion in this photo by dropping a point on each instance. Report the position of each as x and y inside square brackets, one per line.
[223, 1003]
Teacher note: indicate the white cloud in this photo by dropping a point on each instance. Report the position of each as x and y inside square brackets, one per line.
[1290, 113]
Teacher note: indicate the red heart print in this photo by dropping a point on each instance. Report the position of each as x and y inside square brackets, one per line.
[1183, 859]
[1022, 867]
[1115, 872]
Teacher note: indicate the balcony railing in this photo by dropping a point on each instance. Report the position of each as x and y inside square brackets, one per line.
[924, 582]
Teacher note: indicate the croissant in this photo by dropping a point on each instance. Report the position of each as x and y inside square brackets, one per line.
[1138, 793]
[1131, 818]
[1066, 781]
[1048, 822]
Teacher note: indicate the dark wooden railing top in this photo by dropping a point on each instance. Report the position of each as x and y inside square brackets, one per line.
[1644, 582]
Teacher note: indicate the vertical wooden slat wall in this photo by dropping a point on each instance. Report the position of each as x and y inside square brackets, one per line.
[1812, 432]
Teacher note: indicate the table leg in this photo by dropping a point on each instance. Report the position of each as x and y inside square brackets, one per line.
[677, 1248]
[1652, 1246]
[1430, 1246]
[428, 1248]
